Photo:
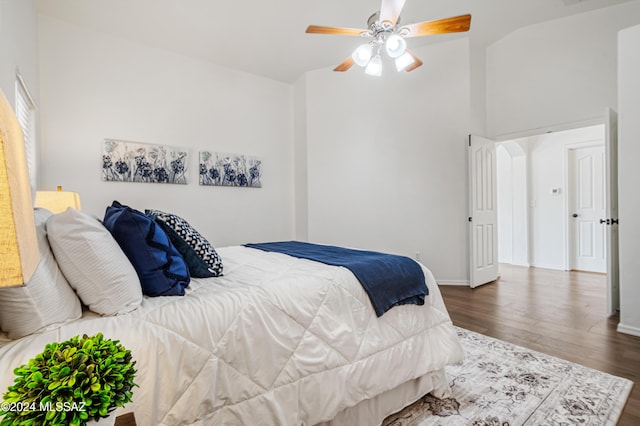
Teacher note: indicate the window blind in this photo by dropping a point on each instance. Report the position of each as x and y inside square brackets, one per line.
[26, 113]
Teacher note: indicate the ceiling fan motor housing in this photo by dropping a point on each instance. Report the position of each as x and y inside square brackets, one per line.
[376, 27]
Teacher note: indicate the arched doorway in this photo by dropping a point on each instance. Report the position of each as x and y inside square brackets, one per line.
[513, 214]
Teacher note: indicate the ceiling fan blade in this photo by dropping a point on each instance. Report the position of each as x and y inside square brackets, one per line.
[417, 62]
[344, 65]
[455, 24]
[316, 29]
[390, 10]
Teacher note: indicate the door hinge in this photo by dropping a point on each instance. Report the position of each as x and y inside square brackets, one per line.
[609, 221]
[470, 219]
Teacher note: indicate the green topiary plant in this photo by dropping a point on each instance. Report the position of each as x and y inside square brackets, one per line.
[70, 383]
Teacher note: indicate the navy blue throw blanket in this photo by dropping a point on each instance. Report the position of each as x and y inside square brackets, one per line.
[388, 279]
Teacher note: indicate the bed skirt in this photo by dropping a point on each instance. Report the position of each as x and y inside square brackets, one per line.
[373, 411]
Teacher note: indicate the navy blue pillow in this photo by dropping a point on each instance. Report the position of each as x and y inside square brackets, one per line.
[161, 268]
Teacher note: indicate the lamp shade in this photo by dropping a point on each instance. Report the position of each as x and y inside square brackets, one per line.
[18, 244]
[57, 201]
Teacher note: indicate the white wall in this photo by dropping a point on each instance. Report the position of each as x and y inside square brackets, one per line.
[520, 255]
[478, 92]
[387, 159]
[555, 74]
[300, 160]
[95, 86]
[18, 46]
[629, 176]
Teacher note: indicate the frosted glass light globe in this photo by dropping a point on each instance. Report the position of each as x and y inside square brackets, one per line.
[362, 55]
[375, 66]
[395, 46]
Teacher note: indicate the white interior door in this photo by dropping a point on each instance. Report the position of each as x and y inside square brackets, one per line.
[483, 217]
[587, 208]
[611, 149]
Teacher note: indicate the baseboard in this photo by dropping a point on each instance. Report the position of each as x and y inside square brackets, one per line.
[626, 329]
[454, 282]
[554, 267]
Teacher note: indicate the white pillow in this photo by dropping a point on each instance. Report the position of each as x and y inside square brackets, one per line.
[93, 262]
[47, 298]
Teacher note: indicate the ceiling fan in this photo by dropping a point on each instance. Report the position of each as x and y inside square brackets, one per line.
[387, 35]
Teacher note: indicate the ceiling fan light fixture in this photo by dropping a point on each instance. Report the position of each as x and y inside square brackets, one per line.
[386, 36]
[374, 67]
[395, 45]
[362, 55]
[404, 60]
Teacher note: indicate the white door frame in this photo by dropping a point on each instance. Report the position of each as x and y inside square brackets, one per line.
[611, 176]
[566, 201]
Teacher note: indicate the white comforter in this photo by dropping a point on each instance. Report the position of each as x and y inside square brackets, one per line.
[276, 341]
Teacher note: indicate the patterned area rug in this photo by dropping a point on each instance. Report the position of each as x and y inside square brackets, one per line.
[500, 384]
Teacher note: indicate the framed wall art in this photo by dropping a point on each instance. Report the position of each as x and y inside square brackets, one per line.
[221, 169]
[125, 161]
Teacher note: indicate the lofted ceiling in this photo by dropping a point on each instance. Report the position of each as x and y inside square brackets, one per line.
[267, 38]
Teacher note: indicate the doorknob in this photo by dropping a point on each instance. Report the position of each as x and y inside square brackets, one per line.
[575, 215]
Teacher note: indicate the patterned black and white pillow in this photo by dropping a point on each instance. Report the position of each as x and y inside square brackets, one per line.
[198, 253]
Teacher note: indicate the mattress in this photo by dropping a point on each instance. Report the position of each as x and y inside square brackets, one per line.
[276, 340]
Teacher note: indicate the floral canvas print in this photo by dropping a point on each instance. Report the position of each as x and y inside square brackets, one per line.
[230, 170]
[124, 161]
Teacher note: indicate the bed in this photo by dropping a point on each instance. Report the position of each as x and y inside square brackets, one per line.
[275, 340]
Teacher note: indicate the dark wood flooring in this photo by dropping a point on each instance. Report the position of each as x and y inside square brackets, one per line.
[556, 312]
